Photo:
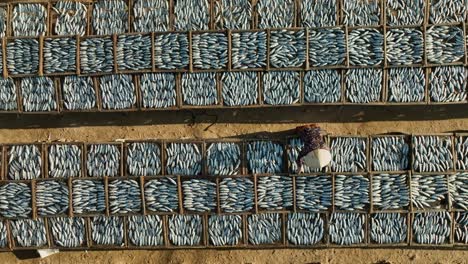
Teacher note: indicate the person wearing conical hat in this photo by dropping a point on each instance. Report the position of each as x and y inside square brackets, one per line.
[314, 153]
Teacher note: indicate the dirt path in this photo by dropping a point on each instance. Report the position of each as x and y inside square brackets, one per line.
[309, 256]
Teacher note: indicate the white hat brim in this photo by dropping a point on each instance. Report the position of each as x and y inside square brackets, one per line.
[317, 159]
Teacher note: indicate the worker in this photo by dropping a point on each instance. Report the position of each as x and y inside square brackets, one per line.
[314, 154]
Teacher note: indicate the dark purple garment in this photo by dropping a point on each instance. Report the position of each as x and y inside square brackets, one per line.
[312, 141]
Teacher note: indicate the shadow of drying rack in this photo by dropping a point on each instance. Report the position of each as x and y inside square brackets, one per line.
[293, 114]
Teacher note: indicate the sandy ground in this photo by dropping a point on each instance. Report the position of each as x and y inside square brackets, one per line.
[246, 123]
[308, 256]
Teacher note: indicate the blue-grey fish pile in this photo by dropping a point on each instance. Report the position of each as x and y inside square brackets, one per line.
[390, 153]
[274, 192]
[461, 227]
[78, 93]
[71, 18]
[445, 44]
[447, 11]
[3, 21]
[448, 84]
[295, 146]
[191, 14]
[361, 13]
[24, 162]
[103, 160]
[144, 159]
[319, 13]
[223, 158]
[110, 17]
[236, 195]
[347, 228]
[239, 88]
[199, 88]
[405, 12]
[150, 15]
[461, 151]
[287, 48]
[145, 230]
[276, 13]
[264, 157]
[68, 232]
[124, 196]
[38, 94]
[134, 52]
[365, 47]
[305, 228]
[264, 228]
[1, 57]
[281, 87]
[249, 49]
[405, 46]
[388, 228]
[171, 51]
[390, 191]
[406, 85]
[51, 198]
[97, 55]
[29, 20]
[327, 47]
[232, 14]
[314, 193]
[183, 159]
[15, 200]
[348, 154]
[59, 55]
[225, 230]
[88, 196]
[199, 195]
[117, 91]
[458, 190]
[210, 51]
[8, 98]
[322, 86]
[22, 56]
[364, 85]
[3, 234]
[432, 153]
[161, 195]
[432, 227]
[158, 90]
[29, 233]
[351, 192]
[429, 191]
[185, 230]
[107, 230]
[64, 161]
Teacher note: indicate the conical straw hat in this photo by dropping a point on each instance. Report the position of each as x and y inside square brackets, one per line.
[318, 158]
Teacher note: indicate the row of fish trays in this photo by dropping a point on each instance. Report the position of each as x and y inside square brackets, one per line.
[163, 91]
[235, 50]
[278, 230]
[227, 195]
[201, 194]
[354, 154]
[127, 16]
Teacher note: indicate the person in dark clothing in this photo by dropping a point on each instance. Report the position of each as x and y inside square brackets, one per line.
[314, 153]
